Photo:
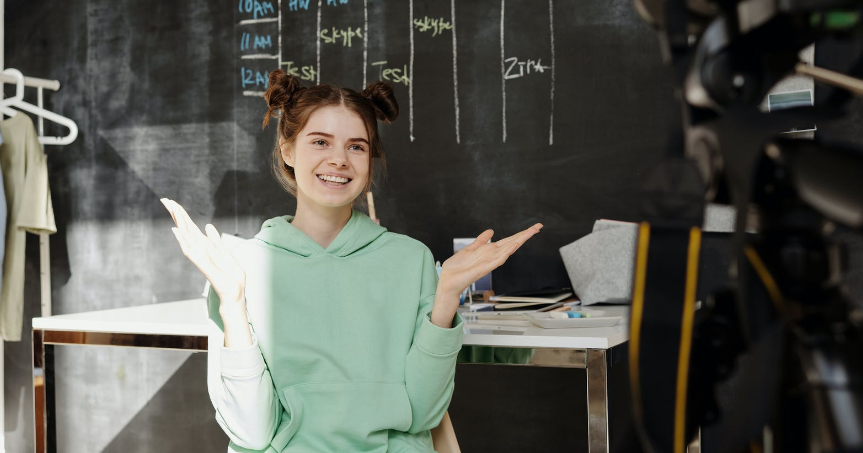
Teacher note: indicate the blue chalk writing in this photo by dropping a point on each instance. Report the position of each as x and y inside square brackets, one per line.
[256, 78]
[257, 7]
[295, 5]
[333, 2]
[261, 42]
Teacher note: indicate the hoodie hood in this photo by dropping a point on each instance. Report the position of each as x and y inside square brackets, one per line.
[359, 232]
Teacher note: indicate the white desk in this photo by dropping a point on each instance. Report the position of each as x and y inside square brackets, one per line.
[183, 325]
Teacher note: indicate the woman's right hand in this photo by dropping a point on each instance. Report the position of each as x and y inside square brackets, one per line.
[211, 256]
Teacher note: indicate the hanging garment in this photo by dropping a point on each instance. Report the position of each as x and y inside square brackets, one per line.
[28, 202]
[3, 218]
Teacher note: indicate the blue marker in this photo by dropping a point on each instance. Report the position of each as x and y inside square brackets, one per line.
[577, 315]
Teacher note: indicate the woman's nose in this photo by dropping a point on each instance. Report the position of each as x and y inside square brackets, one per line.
[338, 158]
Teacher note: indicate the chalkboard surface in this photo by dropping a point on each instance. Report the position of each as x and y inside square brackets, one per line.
[512, 112]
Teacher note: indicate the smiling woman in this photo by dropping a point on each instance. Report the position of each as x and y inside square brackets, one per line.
[294, 106]
[330, 333]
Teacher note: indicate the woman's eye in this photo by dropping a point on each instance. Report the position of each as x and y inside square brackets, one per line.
[357, 148]
[319, 142]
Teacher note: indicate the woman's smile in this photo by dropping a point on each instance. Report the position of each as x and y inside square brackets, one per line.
[334, 182]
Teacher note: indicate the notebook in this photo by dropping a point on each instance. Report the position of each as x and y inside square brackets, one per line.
[542, 296]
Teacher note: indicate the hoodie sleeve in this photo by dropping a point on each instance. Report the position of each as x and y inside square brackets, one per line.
[240, 386]
[430, 363]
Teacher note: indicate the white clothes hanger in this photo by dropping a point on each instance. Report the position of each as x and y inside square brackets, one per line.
[18, 102]
[19, 96]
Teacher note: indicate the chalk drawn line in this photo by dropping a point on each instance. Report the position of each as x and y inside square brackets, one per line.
[502, 72]
[455, 73]
[261, 21]
[411, 76]
[551, 33]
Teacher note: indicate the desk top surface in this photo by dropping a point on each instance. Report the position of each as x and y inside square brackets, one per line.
[189, 317]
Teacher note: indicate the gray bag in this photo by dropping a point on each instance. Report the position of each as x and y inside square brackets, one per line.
[600, 264]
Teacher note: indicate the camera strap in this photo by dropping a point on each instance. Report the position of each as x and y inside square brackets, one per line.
[661, 325]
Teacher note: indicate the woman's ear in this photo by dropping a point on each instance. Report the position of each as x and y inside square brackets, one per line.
[287, 153]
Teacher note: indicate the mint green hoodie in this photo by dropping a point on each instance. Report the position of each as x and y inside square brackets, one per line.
[344, 355]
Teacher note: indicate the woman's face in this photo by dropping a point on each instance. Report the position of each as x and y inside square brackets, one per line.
[333, 145]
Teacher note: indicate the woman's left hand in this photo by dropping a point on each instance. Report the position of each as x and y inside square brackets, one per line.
[478, 259]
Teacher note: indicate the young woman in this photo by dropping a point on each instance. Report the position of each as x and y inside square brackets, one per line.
[329, 333]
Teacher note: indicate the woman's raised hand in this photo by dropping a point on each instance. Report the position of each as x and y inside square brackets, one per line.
[210, 255]
[478, 259]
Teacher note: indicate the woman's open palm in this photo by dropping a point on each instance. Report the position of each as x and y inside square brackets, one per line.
[479, 258]
[209, 254]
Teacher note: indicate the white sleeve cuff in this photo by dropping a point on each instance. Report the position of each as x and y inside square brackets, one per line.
[246, 361]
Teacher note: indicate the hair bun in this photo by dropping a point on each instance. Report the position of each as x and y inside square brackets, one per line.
[381, 95]
[280, 93]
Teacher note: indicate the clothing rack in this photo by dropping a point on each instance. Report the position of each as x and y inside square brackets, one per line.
[52, 85]
[44, 251]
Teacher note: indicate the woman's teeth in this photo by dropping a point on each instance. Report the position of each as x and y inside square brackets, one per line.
[333, 179]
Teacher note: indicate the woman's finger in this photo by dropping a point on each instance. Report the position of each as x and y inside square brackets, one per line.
[191, 252]
[220, 251]
[227, 261]
[504, 251]
[169, 207]
[521, 236]
[213, 234]
[174, 208]
[185, 222]
[193, 234]
[183, 247]
[201, 261]
[480, 240]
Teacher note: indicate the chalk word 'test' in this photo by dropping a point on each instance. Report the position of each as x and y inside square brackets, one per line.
[333, 35]
[394, 75]
[516, 68]
[303, 72]
[435, 25]
[258, 8]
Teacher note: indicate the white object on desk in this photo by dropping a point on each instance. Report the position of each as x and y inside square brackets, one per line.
[530, 336]
[550, 321]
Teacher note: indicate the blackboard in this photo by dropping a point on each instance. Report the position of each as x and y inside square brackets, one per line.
[512, 112]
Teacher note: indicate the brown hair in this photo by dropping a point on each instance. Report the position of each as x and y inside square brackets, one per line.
[293, 105]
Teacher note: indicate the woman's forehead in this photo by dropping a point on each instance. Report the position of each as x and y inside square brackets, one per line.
[337, 121]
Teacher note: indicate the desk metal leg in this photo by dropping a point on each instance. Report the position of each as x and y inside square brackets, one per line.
[597, 401]
[43, 394]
